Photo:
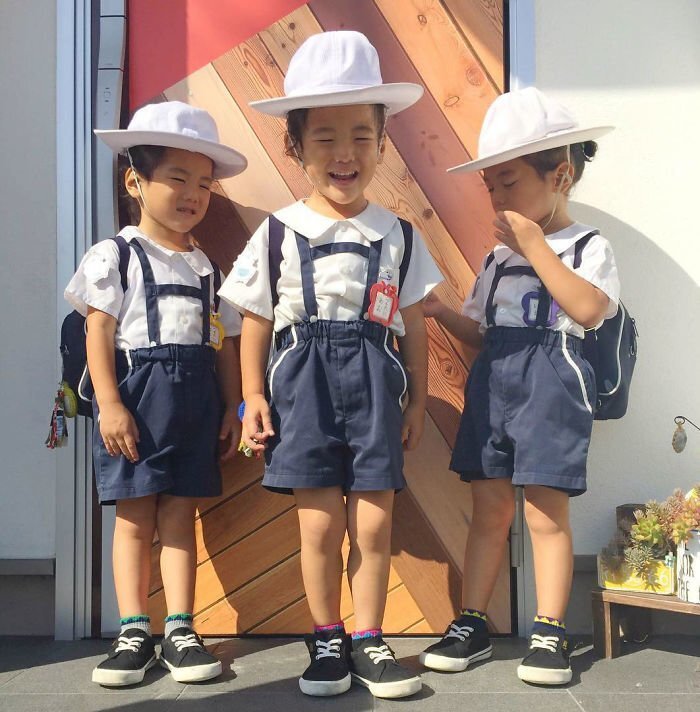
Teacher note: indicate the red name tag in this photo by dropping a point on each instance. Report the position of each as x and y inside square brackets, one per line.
[383, 303]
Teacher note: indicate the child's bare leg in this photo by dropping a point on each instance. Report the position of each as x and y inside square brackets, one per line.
[494, 506]
[547, 516]
[131, 553]
[178, 558]
[322, 524]
[369, 529]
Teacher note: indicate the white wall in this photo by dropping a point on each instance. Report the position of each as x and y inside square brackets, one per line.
[636, 64]
[28, 354]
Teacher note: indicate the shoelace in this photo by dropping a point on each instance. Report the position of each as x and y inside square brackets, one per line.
[328, 649]
[546, 642]
[461, 632]
[186, 641]
[133, 645]
[379, 653]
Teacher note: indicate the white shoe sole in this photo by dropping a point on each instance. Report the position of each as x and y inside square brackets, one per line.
[121, 678]
[193, 673]
[544, 676]
[325, 688]
[391, 690]
[434, 661]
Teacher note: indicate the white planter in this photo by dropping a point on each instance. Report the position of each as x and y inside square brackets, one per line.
[688, 569]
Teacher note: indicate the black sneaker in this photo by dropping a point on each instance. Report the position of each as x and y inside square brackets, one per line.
[373, 665]
[131, 654]
[184, 654]
[460, 646]
[328, 673]
[547, 663]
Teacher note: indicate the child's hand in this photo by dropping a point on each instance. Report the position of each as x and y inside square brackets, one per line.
[119, 431]
[230, 428]
[432, 306]
[257, 426]
[517, 232]
[413, 424]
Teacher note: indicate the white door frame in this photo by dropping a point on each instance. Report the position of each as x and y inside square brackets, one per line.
[521, 50]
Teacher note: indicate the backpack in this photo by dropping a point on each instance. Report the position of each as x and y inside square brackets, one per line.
[73, 351]
[611, 348]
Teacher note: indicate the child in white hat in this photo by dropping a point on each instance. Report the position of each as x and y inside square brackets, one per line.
[530, 395]
[332, 280]
[166, 379]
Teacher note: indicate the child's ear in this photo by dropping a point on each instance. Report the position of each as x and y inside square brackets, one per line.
[290, 148]
[130, 183]
[564, 177]
[381, 148]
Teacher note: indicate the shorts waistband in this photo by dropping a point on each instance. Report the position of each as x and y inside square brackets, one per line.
[331, 330]
[190, 354]
[531, 335]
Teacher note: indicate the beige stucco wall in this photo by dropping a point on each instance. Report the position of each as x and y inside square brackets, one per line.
[636, 64]
[28, 355]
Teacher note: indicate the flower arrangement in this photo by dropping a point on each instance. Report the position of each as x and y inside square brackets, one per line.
[655, 534]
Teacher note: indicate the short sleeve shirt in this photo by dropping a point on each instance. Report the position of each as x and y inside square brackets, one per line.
[97, 284]
[597, 267]
[339, 278]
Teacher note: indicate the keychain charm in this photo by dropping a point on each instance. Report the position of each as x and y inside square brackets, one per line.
[531, 304]
[58, 428]
[216, 331]
[383, 303]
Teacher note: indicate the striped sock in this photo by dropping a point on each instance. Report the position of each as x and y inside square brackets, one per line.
[339, 626]
[478, 618]
[177, 620]
[142, 622]
[369, 633]
[545, 625]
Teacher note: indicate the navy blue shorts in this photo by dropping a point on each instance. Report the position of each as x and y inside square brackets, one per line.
[335, 391]
[528, 414]
[172, 392]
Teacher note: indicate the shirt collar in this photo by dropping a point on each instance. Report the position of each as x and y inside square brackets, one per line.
[196, 259]
[559, 241]
[374, 222]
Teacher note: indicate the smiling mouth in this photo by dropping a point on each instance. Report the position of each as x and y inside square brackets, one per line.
[343, 177]
[187, 211]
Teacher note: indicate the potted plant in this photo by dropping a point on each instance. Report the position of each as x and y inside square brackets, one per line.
[642, 555]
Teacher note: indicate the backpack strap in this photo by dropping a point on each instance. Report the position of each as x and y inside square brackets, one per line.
[124, 255]
[407, 230]
[580, 246]
[275, 231]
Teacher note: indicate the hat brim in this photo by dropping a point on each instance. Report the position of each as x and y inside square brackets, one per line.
[396, 97]
[227, 161]
[563, 138]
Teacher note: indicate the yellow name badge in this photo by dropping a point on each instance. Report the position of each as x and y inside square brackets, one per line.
[216, 331]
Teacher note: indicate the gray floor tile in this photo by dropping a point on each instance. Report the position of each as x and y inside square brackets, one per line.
[70, 702]
[557, 701]
[638, 702]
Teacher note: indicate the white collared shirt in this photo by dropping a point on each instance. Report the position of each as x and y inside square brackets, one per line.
[97, 284]
[339, 279]
[597, 267]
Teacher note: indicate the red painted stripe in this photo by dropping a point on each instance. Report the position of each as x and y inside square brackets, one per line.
[170, 39]
[422, 134]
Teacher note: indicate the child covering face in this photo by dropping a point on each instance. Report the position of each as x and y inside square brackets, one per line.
[530, 394]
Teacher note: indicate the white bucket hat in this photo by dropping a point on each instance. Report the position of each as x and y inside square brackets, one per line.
[522, 122]
[338, 69]
[177, 125]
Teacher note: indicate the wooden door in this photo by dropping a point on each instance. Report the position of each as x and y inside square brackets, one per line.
[248, 578]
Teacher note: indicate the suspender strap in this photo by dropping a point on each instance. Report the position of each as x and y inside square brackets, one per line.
[307, 275]
[124, 255]
[375, 252]
[275, 230]
[407, 230]
[151, 291]
[204, 294]
[490, 308]
[336, 248]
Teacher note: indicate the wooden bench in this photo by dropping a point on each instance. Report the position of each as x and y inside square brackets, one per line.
[610, 607]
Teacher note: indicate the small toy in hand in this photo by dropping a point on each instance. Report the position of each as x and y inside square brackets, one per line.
[242, 447]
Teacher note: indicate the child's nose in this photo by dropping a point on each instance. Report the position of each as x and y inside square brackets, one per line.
[344, 151]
